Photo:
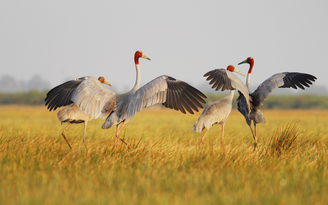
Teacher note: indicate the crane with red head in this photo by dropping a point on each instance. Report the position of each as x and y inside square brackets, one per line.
[118, 109]
[280, 80]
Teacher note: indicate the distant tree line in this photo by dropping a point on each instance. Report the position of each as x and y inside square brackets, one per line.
[32, 97]
[8, 84]
[35, 97]
[284, 101]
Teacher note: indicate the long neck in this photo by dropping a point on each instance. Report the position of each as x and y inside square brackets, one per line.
[248, 80]
[136, 85]
[232, 92]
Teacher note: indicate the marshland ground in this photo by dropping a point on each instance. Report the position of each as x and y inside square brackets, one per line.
[165, 164]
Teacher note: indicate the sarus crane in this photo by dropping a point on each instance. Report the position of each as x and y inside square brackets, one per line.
[218, 111]
[72, 113]
[118, 109]
[280, 80]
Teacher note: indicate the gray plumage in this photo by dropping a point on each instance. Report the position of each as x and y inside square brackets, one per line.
[73, 115]
[280, 80]
[97, 101]
[170, 92]
[218, 111]
[72, 94]
[215, 113]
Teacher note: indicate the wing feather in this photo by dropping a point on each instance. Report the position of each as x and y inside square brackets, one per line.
[228, 81]
[92, 97]
[197, 94]
[218, 84]
[219, 78]
[180, 107]
[281, 80]
[88, 93]
[186, 104]
[175, 99]
[61, 95]
[243, 107]
[170, 92]
[190, 96]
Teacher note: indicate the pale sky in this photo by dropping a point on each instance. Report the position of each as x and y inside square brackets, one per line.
[62, 40]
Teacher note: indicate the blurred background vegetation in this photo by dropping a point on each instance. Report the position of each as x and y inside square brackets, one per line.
[34, 90]
[290, 101]
[307, 101]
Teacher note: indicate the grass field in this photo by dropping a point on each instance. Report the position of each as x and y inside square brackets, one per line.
[164, 164]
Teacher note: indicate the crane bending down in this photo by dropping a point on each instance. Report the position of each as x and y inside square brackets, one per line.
[98, 101]
[72, 113]
[218, 111]
[280, 80]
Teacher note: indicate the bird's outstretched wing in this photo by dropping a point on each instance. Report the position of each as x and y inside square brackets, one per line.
[281, 80]
[172, 93]
[88, 93]
[222, 78]
[219, 78]
[61, 95]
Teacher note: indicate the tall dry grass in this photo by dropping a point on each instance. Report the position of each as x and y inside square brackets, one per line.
[164, 164]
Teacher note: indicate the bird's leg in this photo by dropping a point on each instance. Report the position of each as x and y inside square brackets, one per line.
[201, 142]
[254, 135]
[117, 135]
[255, 130]
[85, 129]
[63, 134]
[117, 132]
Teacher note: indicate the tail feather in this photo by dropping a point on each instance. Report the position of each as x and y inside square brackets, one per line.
[257, 116]
[107, 124]
[198, 126]
[62, 115]
[194, 128]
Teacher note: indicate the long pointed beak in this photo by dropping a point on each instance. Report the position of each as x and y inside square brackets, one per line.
[107, 83]
[245, 61]
[145, 57]
[237, 71]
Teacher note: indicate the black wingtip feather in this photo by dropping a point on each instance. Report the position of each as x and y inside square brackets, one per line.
[298, 80]
[219, 79]
[209, 73]
[181, 96]
[61, 95]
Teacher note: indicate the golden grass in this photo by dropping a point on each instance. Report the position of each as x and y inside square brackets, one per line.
[164, 164]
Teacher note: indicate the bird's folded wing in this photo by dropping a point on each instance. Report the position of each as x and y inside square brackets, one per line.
[91, 96]
[170, 92]
[243, 107]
